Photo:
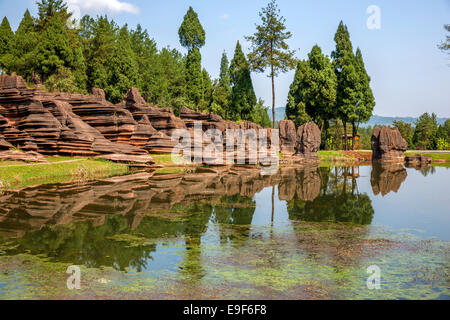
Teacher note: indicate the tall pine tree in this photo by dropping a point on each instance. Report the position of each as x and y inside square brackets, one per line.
[192, 37]
[122, 67]
[6, 44]
[243, 98]
[269, 47]
[24, 48]
[348, 93]
[296, 102]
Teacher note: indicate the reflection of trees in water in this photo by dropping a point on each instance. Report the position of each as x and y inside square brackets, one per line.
[428, 171]
[339, 200]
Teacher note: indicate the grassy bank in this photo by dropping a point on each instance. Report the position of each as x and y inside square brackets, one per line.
[15, 174]
[334, 157]
[440, 156]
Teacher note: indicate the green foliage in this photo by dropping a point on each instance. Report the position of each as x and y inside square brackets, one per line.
[243, 98]
[6, 44]
[425, 134]
[269, 47]
[194, 77]
[62, 81]
[445, 45]
[122, 68]
[407, 132]
[191, 32]
[296, 102]
[260, 115]
[221, 97]
[319, 87]
[25, 44]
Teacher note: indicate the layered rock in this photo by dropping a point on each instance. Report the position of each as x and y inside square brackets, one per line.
[64, 124]
[308, 141]
[288, 137]
[27, 156]
[388, 145]
[418, 161]
[4, 145]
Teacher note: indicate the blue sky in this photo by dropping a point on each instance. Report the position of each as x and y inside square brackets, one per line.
[409, 74]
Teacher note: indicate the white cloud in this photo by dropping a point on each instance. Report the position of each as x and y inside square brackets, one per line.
[103, 6]
[224, 16]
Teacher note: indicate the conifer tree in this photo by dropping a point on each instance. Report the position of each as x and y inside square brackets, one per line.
[222, 89]
[192, 37]
[366, 103]
[243, 98]
[296, 102]
[24, 48]
[6, 44]
[194, 77]
[269, 47]
[122, 68]
[348, 93]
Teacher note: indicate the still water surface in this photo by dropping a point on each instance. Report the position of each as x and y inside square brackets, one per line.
[304, 233]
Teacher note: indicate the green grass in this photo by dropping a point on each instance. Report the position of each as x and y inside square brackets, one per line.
[434, 156]
[166, 159]
[169, 170]
[23, 175]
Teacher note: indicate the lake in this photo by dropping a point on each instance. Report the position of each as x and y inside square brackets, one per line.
[231, 233]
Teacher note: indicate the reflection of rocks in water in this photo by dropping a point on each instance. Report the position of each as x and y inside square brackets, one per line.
[301, 182]
[386, 178]
[139, 195]
[337, 201]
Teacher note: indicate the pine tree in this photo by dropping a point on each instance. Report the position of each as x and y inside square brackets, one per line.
[47, 9]
[24, 48]
[122, 68]
[269, 47]
[146, 55]
[222, 90]
[348, 93]
[191, 32]
[365, 105]
[296, 102]
[243, 98]
[99, 42]
[192, 37]
[6, 44]
[194, 77]
[207, 91]
[53, 51]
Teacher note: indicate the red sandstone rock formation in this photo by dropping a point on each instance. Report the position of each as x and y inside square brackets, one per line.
[64, 124]
[388, 145]
[308, 141]
[288, 137]
[15, 155]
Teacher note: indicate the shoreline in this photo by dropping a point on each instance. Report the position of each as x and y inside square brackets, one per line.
[15, 175]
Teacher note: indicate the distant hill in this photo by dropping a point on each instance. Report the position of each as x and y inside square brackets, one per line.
[375, 120]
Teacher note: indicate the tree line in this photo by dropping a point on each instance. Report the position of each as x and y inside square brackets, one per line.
[332, 91]
[47, 50]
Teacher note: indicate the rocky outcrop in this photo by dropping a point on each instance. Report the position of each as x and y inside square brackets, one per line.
[388, 145]
[308, 141]
[89, 125]
[27, 156]
[418, 160]
[4, 145]
[64, 124]
[387, 177]
[288, 137]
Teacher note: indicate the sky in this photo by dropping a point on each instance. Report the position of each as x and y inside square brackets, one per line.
[410, 75]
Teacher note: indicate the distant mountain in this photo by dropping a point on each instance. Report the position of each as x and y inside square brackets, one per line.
[375, 120]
